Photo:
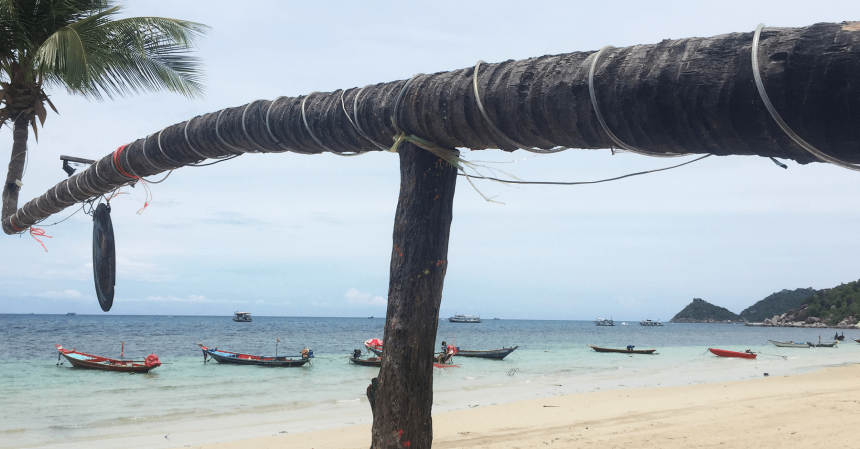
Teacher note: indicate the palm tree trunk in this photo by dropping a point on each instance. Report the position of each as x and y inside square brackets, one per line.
[20, 133]
[419, 260]
[694, 95]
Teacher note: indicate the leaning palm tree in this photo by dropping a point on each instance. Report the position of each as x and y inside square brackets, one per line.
[82, 46]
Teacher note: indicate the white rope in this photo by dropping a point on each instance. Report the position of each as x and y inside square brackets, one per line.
[308, 127]
[497, 130]
[360, 132]
[779, 121]
[603, 124]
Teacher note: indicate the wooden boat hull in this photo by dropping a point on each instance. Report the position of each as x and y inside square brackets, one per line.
[373, 361]
[786, 344]
[233, 358]
[623, 351]
[495, 354]
[826, 345]
[725, 353]
[89, 361]
[376, 351]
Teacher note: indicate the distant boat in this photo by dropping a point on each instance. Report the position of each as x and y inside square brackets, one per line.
[71, 314]
[790, 344]
[242, 317]
[370, 317]
[458, 318]
[495, 319]
[624, 324]
[623, 351]
[496, 354]
[650, 323]
[233, 358]
[603, 322]
[725, 353]
[89, 361]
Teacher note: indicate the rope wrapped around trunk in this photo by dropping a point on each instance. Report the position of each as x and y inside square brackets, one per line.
[685, 96]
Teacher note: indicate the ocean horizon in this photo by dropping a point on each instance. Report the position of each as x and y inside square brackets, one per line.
[187, 401]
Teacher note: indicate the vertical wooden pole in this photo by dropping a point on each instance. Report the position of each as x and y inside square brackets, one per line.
[419, 261]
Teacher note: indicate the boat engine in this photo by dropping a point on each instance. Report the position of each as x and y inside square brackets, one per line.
[356, 353]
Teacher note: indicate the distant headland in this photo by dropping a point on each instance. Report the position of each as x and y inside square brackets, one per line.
[837, 307]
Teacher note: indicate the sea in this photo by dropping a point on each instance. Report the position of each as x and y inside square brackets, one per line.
[188, 402]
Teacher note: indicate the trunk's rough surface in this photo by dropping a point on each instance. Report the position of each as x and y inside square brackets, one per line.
[694, 95]
[20, 133]
[419, 260]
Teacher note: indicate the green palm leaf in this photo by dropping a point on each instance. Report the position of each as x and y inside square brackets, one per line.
[98, 55]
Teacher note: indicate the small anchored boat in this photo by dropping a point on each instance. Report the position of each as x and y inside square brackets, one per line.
[790, 344]
[374, 345]
[495, 354]
[242, 317]
[650, 323]
[235, 358]
[459, 318]
[89, 361]
[604, 322]
[741, 355]
[824, 345]
[630, 350]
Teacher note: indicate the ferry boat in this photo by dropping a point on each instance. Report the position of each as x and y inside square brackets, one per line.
[242, 317]
[458, 318]
[71, 314]
[603, 322]
[650, 323]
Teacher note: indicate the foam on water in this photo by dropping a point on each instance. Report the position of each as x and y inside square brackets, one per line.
[194, 403]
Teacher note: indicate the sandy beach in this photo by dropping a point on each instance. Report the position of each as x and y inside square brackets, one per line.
[799, 411]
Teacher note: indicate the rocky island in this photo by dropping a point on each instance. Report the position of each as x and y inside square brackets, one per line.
[701, 311]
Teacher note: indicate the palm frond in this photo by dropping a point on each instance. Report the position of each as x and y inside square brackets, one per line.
[99, 56]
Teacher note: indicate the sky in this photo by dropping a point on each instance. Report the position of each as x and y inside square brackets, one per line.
[297, 235]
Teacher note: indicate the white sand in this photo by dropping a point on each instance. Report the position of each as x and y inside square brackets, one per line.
[802, 411]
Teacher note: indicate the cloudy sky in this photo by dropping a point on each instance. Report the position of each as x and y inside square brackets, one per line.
[299, 235]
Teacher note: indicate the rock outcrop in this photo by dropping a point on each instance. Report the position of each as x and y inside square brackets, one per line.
[800, 318]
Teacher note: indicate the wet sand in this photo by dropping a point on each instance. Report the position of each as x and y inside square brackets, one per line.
[801, 411]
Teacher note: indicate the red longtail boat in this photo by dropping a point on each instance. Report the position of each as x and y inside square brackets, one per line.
[724, 353]
[89, 361]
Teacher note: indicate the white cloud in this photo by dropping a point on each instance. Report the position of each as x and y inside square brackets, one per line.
[73, 295]
[195, 299]
[355, 297]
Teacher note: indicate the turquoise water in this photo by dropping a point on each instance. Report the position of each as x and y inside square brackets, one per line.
[188, 402]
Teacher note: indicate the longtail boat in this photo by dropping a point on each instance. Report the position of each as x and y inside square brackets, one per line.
[623, 351]
[740, 355]
[89, 361]
[790, 344]
[371, 361]
[235, 358]
[496, 354]
[374, 345]
[858, 341]
[825, 345]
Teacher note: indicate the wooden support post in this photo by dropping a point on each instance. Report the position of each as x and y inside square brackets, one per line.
[418, 265]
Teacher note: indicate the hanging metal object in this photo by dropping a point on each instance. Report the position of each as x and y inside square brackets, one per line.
[104, 256]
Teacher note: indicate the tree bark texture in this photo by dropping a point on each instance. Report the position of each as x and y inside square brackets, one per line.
[20, 133]
[419, 260]
[694, 95]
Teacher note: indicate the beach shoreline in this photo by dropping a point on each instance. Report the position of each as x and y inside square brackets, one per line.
[792, 411]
